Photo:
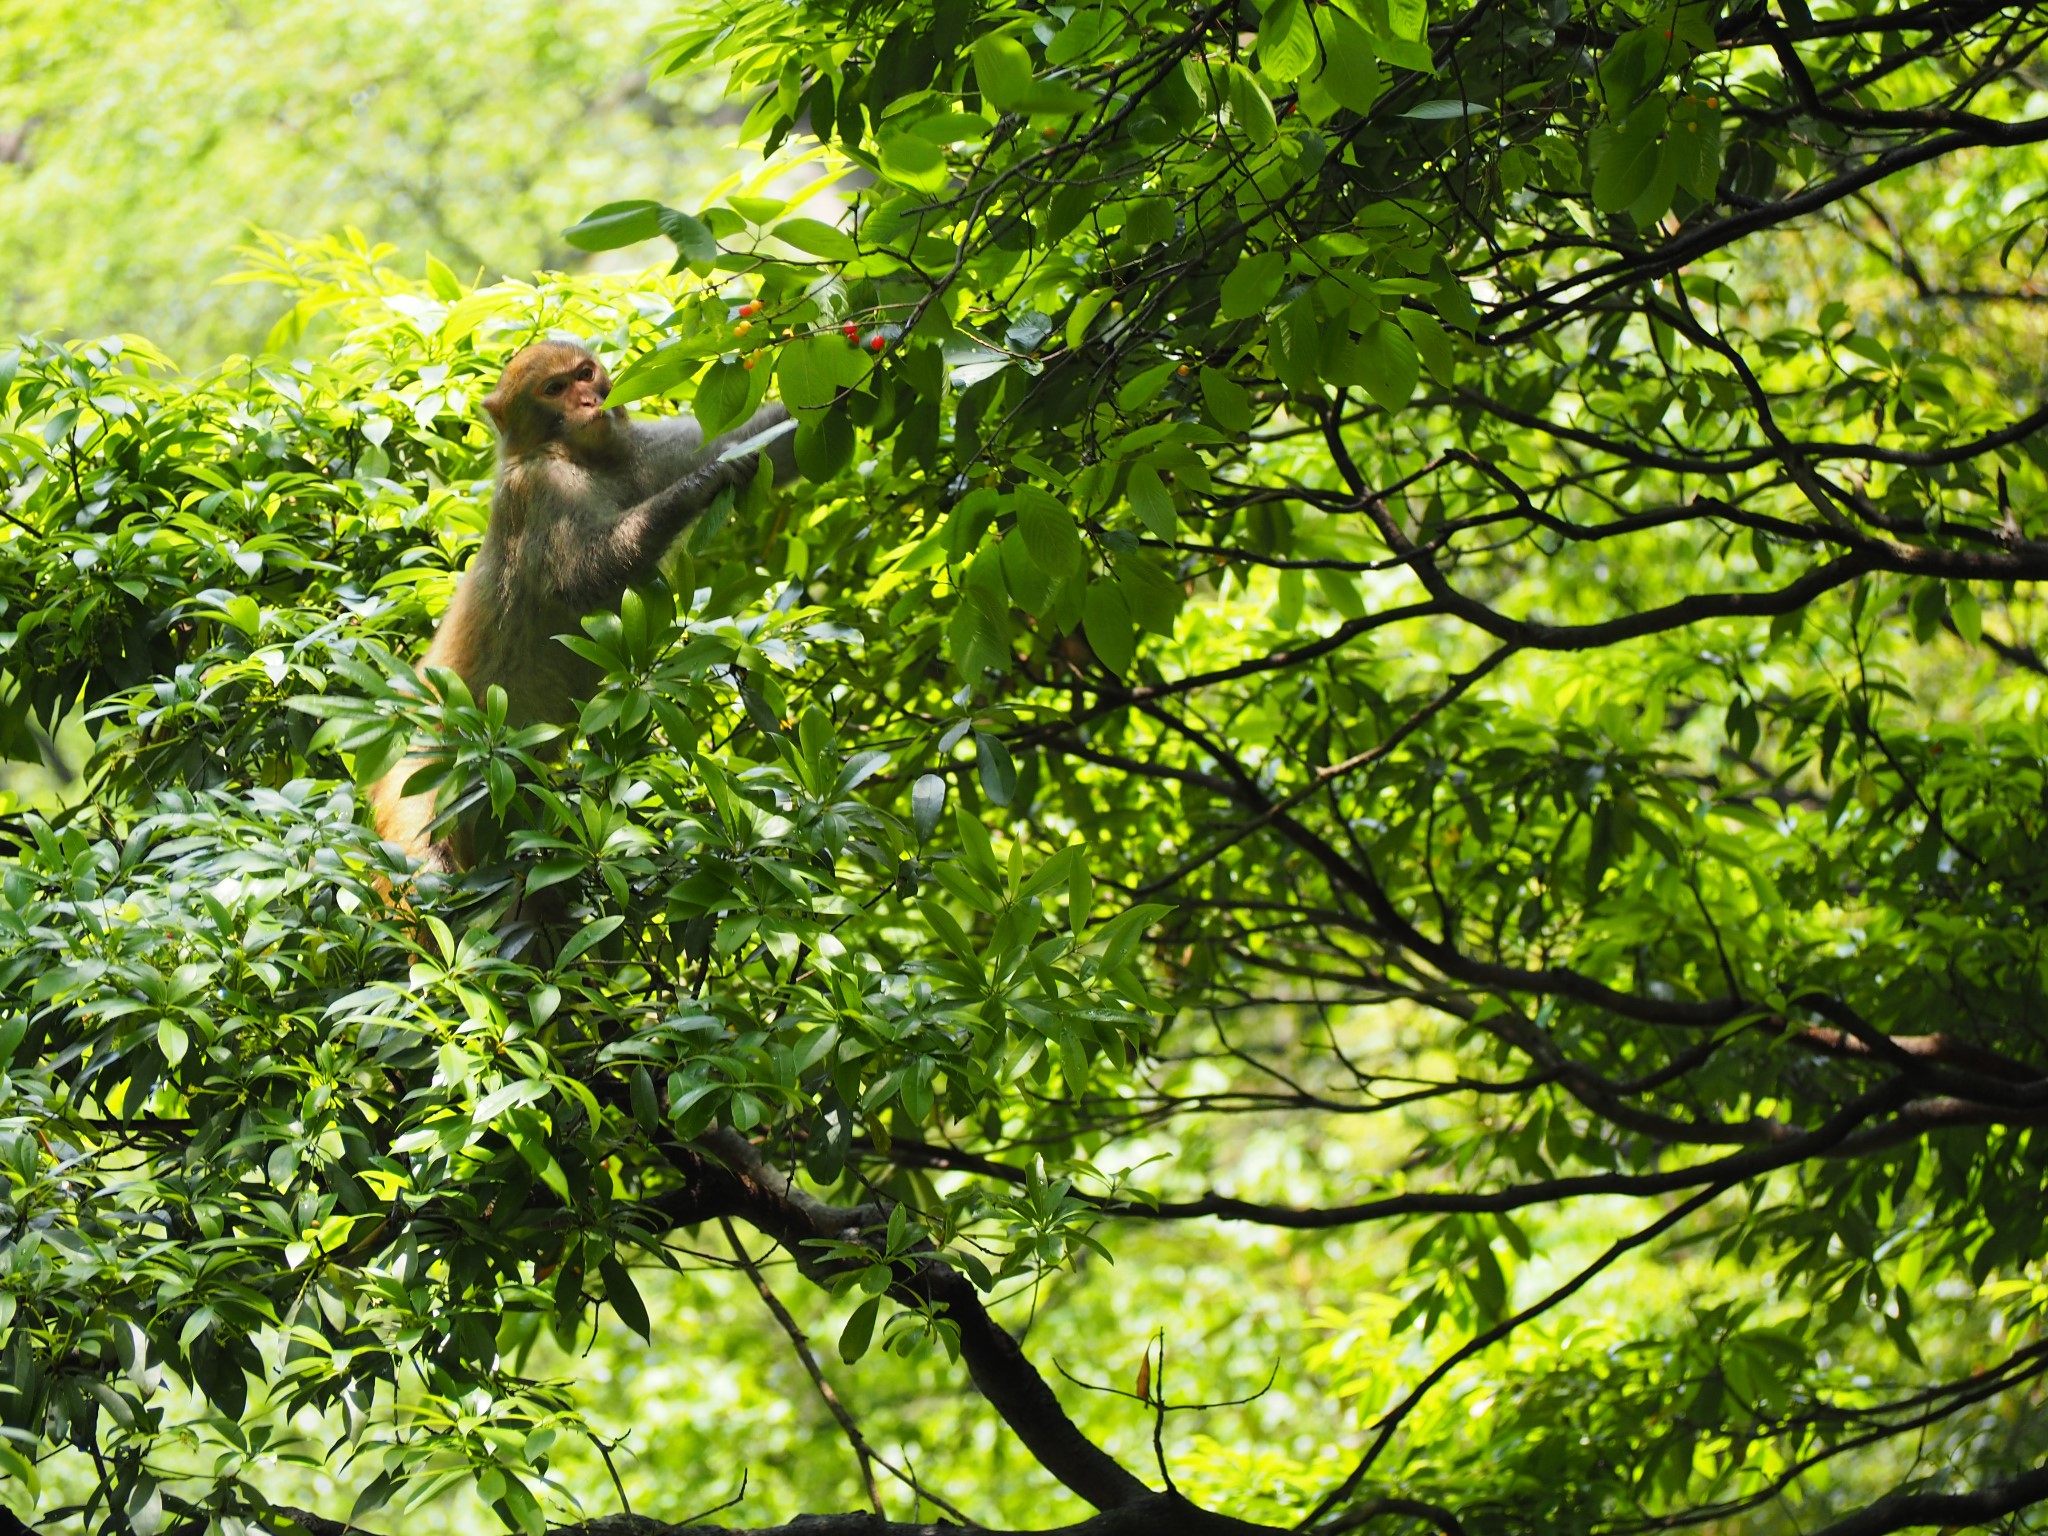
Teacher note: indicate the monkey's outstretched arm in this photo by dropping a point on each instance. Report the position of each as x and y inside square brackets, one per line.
[593, 565]
[769, 430]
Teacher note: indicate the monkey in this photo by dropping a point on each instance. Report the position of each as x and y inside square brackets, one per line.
[586, 502]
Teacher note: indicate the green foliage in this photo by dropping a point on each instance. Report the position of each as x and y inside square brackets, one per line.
[1360, 632]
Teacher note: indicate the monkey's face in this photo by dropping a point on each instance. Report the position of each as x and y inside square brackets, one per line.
[576, 394]
[552, 392]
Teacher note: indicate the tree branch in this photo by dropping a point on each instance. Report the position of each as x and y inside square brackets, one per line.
[1156, 1514]
[1901, 1511]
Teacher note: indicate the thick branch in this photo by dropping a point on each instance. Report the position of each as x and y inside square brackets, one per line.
[1157, 1514]
[730, 1178]
[1902, 1511]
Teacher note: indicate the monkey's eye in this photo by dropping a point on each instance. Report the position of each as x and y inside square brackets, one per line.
[555, 386]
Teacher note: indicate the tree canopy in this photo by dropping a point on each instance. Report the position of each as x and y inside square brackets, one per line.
[1402, 694]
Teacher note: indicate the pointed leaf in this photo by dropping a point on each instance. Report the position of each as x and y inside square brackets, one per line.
[1107, 620]
[1228, 405]
[614, 225]
[1390, 363]
[998, 772]
[1351, 69]
[1251, 285]
[1049, 534]
[927, 800]
[1152, 502]
[1002, 71]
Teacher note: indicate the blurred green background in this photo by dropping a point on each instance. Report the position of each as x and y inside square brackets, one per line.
[141, 143]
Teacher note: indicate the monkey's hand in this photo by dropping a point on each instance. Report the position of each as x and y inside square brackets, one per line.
[766, 441]
[770, 430]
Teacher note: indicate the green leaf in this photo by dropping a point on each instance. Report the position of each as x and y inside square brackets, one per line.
[927, 800]
[1632, 68]
[656, 373]
[1651, 203]
[1107, 620]
[914, 162]
[646, 1105]
[1251, 285]
[615, 225]
[1049, 534]
[813, 370]
[1153, 597]
[1002, 72]
[1624, 159]
[1143, 388]
[1965, 611]
[1229, 407]
[1287, 39]
[824, 445]
[524, 1508]
[1389, 362]
[588, 937]
[998, 772]
[1351, 70]
[1445, 111]
[1293, 343]
[446, 285]
[1250, 108]
[816, 238]
[1695, 136]
[859, 1331]
[1431, 340]
[1057, 99]
[714, 517]
[1406, 53]
[693, 239]
[722, 397]
[624, 1296]
[1086, 308]
[1340, 590]
[1152, 502]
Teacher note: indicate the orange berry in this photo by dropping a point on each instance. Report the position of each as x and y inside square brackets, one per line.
[743, 327]
[748, 363]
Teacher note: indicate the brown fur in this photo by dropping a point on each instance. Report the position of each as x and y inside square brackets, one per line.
[587, 501]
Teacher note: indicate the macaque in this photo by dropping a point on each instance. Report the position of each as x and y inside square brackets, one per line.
[587, 501]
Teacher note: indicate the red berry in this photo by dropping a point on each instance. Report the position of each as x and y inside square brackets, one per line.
[850, 331]
[876, 343]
